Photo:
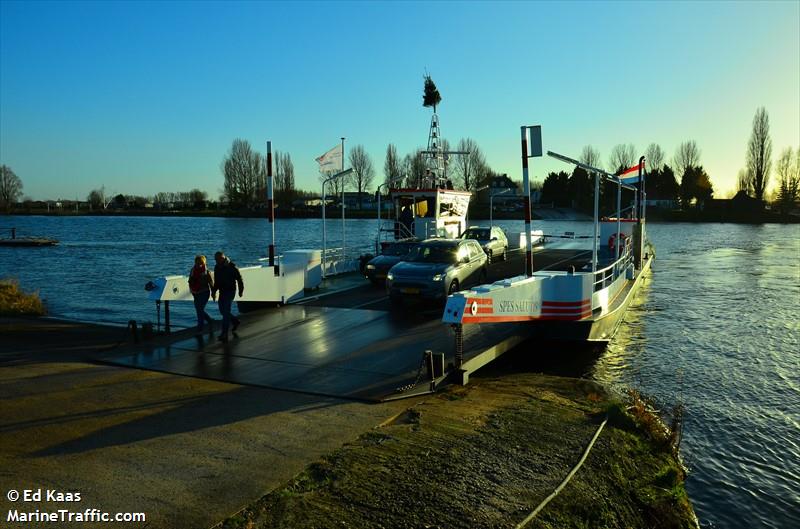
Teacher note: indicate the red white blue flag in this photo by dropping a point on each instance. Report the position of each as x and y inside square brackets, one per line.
[634, 171]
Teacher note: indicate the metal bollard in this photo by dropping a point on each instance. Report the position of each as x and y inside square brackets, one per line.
[459, 355]
[134, 330]
[429, 363]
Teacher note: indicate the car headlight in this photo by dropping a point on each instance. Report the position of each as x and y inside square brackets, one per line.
[438, 277]
[370, 267]
[390, 276]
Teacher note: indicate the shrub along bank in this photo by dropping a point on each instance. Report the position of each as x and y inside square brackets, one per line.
[15, 302]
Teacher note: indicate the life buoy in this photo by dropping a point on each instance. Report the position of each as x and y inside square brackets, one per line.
[613, 239]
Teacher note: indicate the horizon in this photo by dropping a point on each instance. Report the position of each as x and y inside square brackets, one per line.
[148, 97]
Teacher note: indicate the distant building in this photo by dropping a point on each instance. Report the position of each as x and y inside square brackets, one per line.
[661, 203]
[740, 208]
[367, 200]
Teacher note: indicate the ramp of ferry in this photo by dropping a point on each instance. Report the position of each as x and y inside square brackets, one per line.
[345, 341]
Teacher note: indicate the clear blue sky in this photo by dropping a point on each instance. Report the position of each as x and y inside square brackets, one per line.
[145, 97]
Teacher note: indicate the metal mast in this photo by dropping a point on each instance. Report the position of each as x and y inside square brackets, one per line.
[434, 163]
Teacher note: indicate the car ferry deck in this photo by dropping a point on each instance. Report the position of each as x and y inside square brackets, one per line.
[345, 339]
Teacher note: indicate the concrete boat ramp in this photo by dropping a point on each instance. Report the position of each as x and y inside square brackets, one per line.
[343, 341]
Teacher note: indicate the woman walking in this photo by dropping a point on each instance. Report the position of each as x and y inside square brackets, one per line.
[201, 285]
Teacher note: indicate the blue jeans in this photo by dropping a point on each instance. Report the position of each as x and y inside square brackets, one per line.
[225, 302]
[200, 302]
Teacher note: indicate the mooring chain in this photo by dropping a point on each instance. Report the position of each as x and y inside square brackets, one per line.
[411, 386]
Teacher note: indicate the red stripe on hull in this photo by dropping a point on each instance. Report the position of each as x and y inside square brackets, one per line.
[566, 303]
[479, 301]
[564, 310]
[508, 319]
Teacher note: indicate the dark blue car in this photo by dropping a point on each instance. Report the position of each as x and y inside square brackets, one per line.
[438, 267]
[391, 254]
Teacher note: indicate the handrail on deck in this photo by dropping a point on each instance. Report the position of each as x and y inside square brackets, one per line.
[617, 268]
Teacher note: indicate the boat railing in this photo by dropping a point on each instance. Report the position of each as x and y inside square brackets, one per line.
[339, 261]
[392, 230]
[606, 276]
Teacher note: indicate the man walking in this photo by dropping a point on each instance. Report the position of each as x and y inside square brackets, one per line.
[226, 279]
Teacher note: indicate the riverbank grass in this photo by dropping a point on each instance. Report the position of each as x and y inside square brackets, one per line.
[486, 455]
[15, 302]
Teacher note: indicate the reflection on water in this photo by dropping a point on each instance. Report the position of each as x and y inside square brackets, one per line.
[716, 326]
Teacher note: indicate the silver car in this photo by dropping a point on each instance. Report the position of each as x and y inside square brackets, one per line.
[438, 267]
[492, 240]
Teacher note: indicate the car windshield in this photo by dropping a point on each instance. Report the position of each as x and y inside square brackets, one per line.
[434, 254]
[477, 233]
[399, 250]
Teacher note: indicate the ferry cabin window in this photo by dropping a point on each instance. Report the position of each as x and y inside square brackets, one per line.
[424, 207]
[446, 210]
[453, 206]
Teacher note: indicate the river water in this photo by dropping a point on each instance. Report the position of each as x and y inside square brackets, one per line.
[716, 327]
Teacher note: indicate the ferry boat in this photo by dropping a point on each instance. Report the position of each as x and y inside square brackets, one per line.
[585, 301]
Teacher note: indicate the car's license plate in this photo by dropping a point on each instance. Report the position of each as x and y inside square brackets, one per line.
[409, 290]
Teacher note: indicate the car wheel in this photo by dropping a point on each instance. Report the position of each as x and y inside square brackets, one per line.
[453, 287]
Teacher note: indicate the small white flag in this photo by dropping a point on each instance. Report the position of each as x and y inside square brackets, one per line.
[331, 161]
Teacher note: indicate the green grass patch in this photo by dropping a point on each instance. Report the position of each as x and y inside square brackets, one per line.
[15, 302]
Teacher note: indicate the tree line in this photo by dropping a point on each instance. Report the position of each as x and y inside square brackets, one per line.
[576, 189]
[244, 172]
[683, 181]
[662, 179]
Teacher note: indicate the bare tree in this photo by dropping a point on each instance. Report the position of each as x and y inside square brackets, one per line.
[788, 170]
[470, 167]
[414, 168]
[197, 198]
[654, 157]
[447, 167]
[391, 167]
[243, 169]
[10, 187]
[95, 199]
[590, 156]
[622, 157]
[334, 187]
[743, 181]
[687, 155]
[363, 171]
[284, 178]
[759, 154]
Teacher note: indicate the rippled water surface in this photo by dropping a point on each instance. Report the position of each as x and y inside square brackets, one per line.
[716, 327]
